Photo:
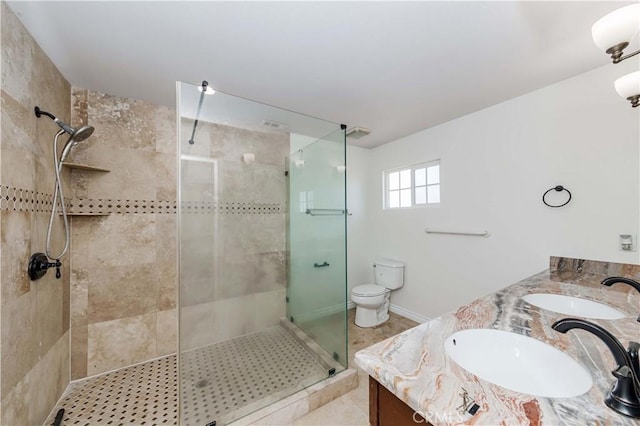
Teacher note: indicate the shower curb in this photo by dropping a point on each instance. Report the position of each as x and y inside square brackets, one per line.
[301, 403]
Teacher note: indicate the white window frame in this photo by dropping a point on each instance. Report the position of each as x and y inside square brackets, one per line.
[386, 191]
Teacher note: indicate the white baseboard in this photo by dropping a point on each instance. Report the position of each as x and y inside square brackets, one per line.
[400, 311]
[408, 314]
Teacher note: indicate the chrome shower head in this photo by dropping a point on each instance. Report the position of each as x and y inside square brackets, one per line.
[76, 135]
[81, 134]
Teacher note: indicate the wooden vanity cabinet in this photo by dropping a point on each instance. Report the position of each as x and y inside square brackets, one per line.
[386, 409]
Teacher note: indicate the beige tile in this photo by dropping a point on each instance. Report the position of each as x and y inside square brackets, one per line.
[196, 326]
[115, 240]
[283, 412]
[166, 261]
[123, 122]
[235, 316]
[19, 342]
[328, 390]
[17, 57]
[230, 143]
[49, 314]
[15, 231]
[121, 291]
[121, 342]
[252, 234]
[167, 330]
[128, 178]
[165, 176]
[251, 183]
[195, 291]
[272, 307]
[79, 350]
[47, 381]
[18, 147]
[207, 323]
[202, 146]
[250, 274]
[80, 101]
[85, 232]
[15, 405]
[164, 122]
[79, 296]
[35, 315]
[339, 412]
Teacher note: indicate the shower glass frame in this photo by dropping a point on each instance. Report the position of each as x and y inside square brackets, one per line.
[212, 225]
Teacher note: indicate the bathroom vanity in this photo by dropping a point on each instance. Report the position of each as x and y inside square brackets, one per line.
[414, 381]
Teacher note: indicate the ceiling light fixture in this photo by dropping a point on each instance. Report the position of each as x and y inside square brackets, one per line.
[629, 88]
[612, 33]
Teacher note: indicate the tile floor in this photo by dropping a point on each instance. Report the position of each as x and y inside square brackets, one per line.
[144, 393]
[352, 409]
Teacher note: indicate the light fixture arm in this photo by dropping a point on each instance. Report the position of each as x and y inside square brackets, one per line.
[616, 52]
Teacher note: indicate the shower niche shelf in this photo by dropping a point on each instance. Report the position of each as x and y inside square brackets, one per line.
[79, 166]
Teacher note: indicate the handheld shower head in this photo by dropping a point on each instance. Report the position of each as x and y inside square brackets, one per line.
[76, 135]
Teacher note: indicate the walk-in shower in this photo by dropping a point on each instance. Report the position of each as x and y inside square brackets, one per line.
[39, 263]
[262, 254]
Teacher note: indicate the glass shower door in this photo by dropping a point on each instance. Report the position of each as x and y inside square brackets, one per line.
[238, 352]
[317, 296]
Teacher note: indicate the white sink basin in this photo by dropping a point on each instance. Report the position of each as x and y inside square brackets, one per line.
[518, 363]
[573, 306]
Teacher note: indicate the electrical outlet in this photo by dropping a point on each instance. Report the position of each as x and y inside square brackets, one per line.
[627, 242]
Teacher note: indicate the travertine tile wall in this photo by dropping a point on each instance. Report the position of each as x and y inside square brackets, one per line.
[34, 320]
[233, 270]
[123, 281]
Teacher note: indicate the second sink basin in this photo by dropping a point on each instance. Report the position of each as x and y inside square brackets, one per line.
[573, 306]
[519, 363]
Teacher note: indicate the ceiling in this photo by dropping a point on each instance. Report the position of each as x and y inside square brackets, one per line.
[393, 67]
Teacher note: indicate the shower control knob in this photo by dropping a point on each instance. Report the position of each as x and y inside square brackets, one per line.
[58, 264]
[39, 264]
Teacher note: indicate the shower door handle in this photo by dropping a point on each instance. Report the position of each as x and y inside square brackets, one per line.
[320, 265]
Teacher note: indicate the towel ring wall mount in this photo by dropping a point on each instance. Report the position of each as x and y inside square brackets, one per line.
[558, 188]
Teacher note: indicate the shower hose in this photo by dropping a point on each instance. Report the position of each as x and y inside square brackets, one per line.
[58, 196]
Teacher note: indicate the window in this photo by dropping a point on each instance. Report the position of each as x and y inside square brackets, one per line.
[412, 186]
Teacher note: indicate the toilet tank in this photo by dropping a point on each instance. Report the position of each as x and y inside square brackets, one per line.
[389, 273]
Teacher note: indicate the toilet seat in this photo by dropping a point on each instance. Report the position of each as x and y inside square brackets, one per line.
[368, 290]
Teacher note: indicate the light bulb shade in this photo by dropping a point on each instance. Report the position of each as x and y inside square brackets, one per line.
[617, 27]
[629, 85]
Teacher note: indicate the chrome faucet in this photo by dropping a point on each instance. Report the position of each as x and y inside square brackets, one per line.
[613, 280]
[624, 395]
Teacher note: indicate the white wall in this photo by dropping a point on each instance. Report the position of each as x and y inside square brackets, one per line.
[358, 253]
[359, 262]
[495, 165]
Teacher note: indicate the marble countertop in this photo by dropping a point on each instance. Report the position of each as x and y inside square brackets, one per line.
[414, 366]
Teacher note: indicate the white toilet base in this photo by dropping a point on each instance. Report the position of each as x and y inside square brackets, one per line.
[370, 317]
[367, 318]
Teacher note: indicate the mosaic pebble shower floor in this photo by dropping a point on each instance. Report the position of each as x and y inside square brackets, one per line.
[221, 383]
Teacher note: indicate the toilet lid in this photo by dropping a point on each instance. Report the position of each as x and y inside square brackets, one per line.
[368, 290]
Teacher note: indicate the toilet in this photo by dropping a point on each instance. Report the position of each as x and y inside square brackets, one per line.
[372, 300]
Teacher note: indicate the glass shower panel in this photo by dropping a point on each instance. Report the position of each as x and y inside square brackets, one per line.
[317, 227]
[238, 352]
